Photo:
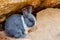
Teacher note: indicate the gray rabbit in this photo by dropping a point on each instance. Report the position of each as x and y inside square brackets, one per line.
[17, 25]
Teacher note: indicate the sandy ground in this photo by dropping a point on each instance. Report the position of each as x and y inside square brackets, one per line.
[48, 26]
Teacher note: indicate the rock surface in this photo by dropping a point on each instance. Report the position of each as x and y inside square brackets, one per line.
[49, 3]
[48, 23]
[7, 6]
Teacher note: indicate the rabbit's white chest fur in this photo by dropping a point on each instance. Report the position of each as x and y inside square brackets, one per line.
[24, 25]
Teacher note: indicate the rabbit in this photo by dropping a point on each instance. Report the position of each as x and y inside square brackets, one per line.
[17, 25]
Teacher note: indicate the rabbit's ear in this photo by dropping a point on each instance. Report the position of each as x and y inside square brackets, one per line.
[24, 11]
[30, 9]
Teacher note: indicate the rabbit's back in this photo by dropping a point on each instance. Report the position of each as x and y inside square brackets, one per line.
[14, 23]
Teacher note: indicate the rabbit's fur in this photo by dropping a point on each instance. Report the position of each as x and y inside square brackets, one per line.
[18, 25]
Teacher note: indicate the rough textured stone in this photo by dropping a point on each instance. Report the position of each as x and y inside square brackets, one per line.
[7, 6]
[49, 3]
